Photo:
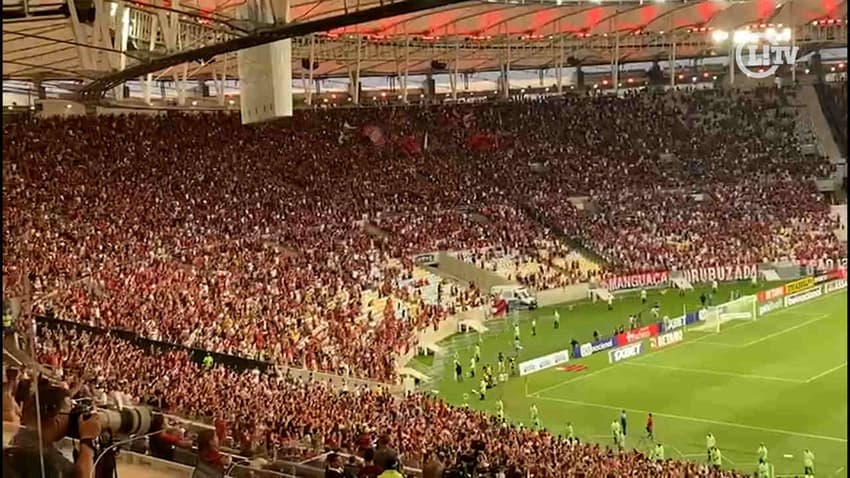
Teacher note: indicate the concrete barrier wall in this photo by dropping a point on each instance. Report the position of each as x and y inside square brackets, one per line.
[564, 294]
[468, 272]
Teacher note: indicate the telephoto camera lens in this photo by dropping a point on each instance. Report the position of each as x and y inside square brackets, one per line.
[130, 420]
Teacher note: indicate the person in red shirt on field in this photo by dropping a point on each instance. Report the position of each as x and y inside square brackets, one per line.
[649, 428]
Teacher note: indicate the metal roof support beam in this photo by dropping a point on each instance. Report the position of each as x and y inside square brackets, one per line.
[406, 68]
[454, 75]
[95, 89]
[672, 52]
[310, 76]
[80, 38]
[559, 65]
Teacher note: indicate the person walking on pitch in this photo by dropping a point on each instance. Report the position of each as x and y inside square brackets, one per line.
[623, 422]
[500, 409]
[477, 354]
[763, 469]
[643, 296]
[472, 367]
[762, 452]
[716, 458]
[710, 443]
[516, 332]
[533, 327]
[458, 371]
[658, 453]
[808, 462]
[483, 389]
[500, 362]
[615, 431]
[535, 415]
[570, 433]
[557, 320]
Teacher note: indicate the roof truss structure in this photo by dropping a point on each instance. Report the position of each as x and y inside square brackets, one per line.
[102, 43]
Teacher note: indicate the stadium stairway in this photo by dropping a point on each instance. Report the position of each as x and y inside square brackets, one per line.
[574, 243]
[821, 128]
[840, 212]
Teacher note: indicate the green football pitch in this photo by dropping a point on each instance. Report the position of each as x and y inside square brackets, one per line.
[780, 380]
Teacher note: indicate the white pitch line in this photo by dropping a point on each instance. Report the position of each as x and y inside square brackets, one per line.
[715, 372]
[676, 346]
[838, 471]
[784, 331]
[825, 373]
[572, 380]
[697, 419]
[678, 451]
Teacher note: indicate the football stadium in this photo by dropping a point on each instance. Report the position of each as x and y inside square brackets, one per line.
[424, 238]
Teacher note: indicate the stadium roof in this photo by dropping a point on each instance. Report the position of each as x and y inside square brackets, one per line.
[43, 39]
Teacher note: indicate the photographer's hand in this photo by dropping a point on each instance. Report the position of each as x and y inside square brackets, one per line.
[89, 430]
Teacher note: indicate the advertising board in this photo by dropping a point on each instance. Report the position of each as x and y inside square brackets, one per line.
[804, 296]
[634, 335]
[624, 353]
[799, 285]
[770, 306]
[673, 324]
[544, 362]
[770, 294]
[664, 340]
[835, 285]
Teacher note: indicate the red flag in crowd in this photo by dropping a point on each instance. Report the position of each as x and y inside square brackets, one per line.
[481, 141]
[409, 146]
[375, 134]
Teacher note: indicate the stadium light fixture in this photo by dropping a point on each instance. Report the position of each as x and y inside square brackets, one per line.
[807, 71]
[231, 102]
[742, 37]
[714, 77]
[719, 36]
[68, 106]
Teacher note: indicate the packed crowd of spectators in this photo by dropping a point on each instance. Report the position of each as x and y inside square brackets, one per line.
[322, 418]
[293, 242]
[267, 241]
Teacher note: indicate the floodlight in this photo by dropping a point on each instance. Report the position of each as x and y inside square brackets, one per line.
[742, 36]
[719, 36]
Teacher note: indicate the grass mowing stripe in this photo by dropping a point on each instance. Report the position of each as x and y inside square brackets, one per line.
[696, 419]
[785, 331]
[715, 372]
[825, 373]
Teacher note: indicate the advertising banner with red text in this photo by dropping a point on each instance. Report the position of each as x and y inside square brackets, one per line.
[824, 264]
[720, 273]
[634, 335]
[770, 294]
[635, 281]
